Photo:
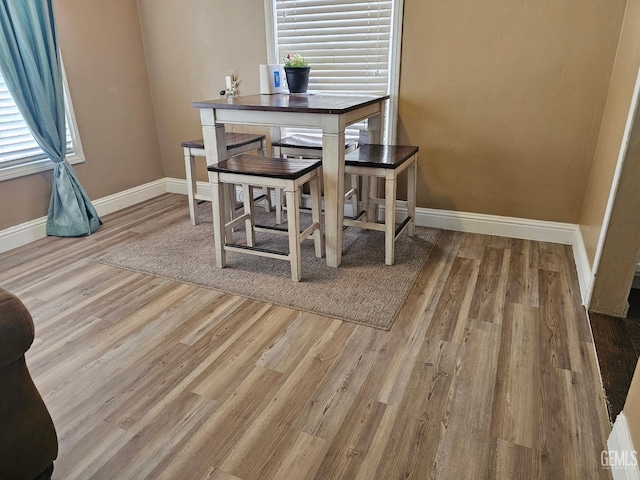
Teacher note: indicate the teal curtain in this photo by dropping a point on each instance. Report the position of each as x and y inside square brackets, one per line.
[30, 64]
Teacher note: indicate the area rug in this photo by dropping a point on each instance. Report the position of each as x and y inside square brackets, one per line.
[362, 290]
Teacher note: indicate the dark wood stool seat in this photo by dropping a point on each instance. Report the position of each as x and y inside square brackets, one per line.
[285, 174]
[236, 143]
[387, 162]
[265, 166]
[380, 156]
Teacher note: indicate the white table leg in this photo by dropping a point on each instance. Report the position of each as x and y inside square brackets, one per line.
[316, 215]
[276, 134]
[374, 126]
[333, 175]
[247, 198]
[217, 205]
[411, 195]
[389, 218]
[215, 144]
[190, 171]
[293, 221]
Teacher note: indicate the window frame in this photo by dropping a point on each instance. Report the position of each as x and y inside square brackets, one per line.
[31, 166]
[391, 116]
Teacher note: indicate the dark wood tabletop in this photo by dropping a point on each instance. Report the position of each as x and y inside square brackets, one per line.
[294, 103]
[380, 156]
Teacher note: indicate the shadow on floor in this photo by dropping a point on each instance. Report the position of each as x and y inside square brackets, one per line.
[618, 346]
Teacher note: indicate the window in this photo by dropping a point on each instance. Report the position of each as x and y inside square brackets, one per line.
[353, 46]
[20, 154]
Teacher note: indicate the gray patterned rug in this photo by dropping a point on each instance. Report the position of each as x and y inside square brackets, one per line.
[362, 290]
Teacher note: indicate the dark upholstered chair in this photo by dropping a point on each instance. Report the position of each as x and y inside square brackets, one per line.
[28, 442]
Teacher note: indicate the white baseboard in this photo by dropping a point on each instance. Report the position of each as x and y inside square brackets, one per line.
[621, 448]
[129, 197]
[555, 232]
[33, 230]
[497, 225]
[179, 185]
[14, 237]
[583, 267]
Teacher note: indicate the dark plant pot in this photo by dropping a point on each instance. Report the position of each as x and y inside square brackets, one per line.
[297, 79]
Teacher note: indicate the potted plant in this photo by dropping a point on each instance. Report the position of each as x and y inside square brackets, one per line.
[297, 70]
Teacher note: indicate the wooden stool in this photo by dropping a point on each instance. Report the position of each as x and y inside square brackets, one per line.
[236, 143]
[304, 146]
[387, 162]
[251, 171]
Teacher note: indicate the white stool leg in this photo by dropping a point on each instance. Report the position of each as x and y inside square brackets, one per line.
[277, 153]
[262, 152]
[278, 206]
[293, 220]
[229, 190]
[190, 170]
[217, 205]
[364, 193]
[389, 218]
[373, 211]
[411, 196]
[316, 216]
[355, 206]
[247, 197]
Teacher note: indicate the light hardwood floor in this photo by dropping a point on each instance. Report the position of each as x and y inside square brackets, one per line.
[488, 372]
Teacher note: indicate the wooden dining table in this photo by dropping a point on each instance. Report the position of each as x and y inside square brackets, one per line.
[328, 113]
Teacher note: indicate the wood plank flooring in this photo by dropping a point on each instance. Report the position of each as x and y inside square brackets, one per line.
[488, 372]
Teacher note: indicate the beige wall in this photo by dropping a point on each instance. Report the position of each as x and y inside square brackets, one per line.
[613, 124]
[622, 242]
[104, 60]
[505, 101]
[190, 46]
[632, 408]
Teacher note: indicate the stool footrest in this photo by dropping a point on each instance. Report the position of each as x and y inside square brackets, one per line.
[263, 252]
[268, 228]
[314, 226]
[237, 220]
[271, 230]
[259, 198]
[350, 193]
[400, 227]
[348, 222]
[353, 219]
[381, 201]
[360, 213]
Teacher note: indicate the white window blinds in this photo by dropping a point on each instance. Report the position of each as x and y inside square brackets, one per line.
[347, 42]
[17, 144]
